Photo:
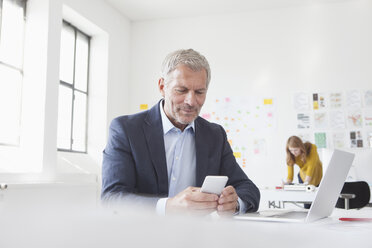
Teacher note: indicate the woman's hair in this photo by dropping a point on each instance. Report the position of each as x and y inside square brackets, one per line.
[191, 58]
[296, 142]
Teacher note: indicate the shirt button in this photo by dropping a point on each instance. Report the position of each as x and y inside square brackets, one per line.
[176, 158]
[173, 179]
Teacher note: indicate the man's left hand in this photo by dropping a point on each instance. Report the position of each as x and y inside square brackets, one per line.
[228, 200]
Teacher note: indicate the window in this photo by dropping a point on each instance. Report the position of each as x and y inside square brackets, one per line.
[12, 24]
[73, 90]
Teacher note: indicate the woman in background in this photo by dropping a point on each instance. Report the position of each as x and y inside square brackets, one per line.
[305, 155]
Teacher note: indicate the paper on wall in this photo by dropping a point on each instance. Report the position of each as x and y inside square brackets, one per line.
[369, 139]
[301, 101]
[339, 140]
[368, 98]
[303, 120]
[353, 99]
[354, 118]
[337, 119]
[335, 100]
[243, 118]
[356, 139]
[305, 137]
[319, 101]
[320, 140]
[368, 118]
[320, 120]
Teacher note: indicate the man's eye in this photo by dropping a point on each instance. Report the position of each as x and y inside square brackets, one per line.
[181, 90]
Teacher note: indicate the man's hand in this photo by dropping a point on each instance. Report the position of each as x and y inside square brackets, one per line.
[192, 200]
[228, 201]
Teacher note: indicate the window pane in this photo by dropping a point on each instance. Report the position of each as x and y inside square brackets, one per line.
[81, 62]
[66, 68]
[64, 117]
[79, 126]
[10, 105]
[12, 30]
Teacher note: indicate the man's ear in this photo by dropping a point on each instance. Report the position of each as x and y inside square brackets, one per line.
[161, 85]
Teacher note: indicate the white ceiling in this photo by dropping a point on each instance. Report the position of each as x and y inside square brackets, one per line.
[138, 10]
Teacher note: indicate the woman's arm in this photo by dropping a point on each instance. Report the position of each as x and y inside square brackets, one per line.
[290, 175]
[307, 179]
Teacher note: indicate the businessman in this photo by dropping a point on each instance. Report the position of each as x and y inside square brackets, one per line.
[160, 157]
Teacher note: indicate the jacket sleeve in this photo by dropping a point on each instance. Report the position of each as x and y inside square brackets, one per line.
[245, 188]
[119, 172]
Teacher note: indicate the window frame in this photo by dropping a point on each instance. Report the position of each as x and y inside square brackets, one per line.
[72, 87]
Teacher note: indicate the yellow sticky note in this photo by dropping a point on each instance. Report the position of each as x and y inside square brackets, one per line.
[268, 101]
[237, 154]
[316, 105]
[144, 106]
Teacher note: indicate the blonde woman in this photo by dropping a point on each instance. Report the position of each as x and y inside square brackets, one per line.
[305, 155]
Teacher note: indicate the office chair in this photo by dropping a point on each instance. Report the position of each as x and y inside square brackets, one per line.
[354, 195]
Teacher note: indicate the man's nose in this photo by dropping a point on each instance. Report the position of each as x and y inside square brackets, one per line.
[190, 98]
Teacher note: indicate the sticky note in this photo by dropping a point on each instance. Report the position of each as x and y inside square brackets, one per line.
[237, 154]
[206, 116]
[316, 105]
[144, 106]
[268, 101]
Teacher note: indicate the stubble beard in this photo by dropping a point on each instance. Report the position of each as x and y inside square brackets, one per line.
[179, 117]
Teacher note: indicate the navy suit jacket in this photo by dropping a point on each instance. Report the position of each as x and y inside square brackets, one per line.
[134, 162]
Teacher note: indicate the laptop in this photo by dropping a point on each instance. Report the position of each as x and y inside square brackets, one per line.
[325, 199]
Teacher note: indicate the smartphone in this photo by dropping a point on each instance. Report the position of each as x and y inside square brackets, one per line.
[214, 184]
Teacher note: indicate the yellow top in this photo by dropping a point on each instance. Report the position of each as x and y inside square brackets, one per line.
[312, 168]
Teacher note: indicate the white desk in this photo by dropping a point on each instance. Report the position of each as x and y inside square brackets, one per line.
[275, 198]
[95, 228]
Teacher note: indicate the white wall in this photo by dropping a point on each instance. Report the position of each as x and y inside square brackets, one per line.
[108, 76]
[316, 48]
[108, 88]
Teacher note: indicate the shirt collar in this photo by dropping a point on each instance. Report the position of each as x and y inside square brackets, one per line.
[167, 124]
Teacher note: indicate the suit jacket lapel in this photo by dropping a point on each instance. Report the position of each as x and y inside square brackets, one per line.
[153, 130]
[201, 153]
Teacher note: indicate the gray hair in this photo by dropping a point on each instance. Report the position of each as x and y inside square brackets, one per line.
[191, 58]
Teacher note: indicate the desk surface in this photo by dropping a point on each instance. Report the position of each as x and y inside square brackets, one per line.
[95, 227]
[272, 194]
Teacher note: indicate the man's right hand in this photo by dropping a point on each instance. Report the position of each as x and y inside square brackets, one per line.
[193, 201]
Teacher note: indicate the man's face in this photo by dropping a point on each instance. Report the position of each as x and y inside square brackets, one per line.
[184, 95]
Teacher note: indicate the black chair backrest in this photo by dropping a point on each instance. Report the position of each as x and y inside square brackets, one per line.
[360, 190]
